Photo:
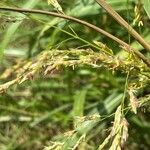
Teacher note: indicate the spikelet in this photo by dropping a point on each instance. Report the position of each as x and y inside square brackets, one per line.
[5, 86]
[81, 139]
[116, 142]
[133, 100]
[124, 136]
[103, 47]
[116, 130]
[138, 14]
[119, 132]
[117, 121]
[55, 4]
[106, 141]
[54, 146]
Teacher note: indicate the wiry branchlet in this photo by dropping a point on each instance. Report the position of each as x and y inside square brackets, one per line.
[69, 133]
[80, 140]
[54, 146]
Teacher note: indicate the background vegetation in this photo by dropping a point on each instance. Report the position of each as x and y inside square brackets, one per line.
[65, 86]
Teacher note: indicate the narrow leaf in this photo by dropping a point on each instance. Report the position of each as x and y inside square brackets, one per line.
[79, 100]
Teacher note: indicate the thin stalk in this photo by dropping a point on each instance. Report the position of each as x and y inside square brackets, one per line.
[75, 36]
[126, 46]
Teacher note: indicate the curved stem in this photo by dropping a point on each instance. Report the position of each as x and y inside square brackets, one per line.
[123, 23]
[126, 46]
